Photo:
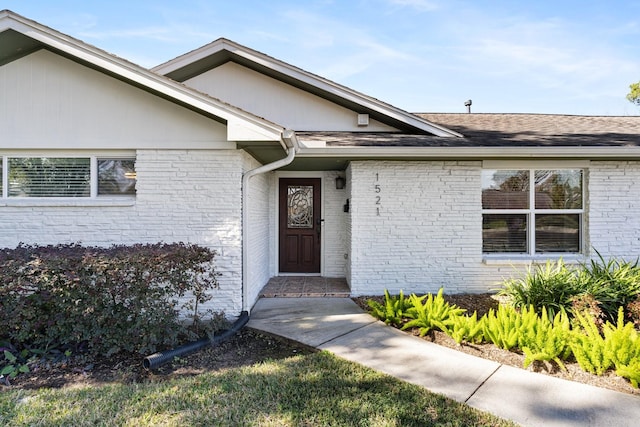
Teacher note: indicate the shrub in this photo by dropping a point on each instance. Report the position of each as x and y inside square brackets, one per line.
[542, 339]
[103, 300]
[435, 312]
[622, 346]
[394, 310]
[600, 286]
[501, 327]
[465, 328]
[633, 310]
[552, 286]
[614, 283]
[587, 304]
[588, 346]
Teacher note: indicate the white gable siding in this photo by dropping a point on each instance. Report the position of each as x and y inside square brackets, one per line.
[51, 102]
[278, 102]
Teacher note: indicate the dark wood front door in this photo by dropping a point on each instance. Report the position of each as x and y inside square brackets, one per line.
[299, 225]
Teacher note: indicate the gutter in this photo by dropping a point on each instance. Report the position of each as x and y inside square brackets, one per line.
[473, 153]
[289, 142]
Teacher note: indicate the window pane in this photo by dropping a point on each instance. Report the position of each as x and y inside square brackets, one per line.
[116, 177]
[558, 233]
[505, 189]
[49, 177]
[559, 189]
[504, 233]
[300, 206]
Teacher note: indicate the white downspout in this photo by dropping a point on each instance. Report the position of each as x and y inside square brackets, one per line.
[289, 142]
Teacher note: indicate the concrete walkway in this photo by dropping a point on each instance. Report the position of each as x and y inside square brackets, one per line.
[338, 325]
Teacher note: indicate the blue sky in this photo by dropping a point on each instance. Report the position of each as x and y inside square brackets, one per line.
[535, 56]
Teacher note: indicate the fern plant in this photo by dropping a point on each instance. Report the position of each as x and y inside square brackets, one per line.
[394, 310]
[465, 328]
[434, 312]
[588, 345]
[501, 327]
[622, 346]
[542, 339]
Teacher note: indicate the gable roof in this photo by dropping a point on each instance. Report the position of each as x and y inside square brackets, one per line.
[20, 36]
[223, 50]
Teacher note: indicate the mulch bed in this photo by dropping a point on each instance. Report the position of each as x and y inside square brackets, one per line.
[249, 347]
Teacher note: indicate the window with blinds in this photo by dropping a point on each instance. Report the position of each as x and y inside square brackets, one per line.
[532, 211]
[67, 177]
[49, 177]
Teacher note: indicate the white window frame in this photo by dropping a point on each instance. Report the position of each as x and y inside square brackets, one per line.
[532, 211]
[91, 200]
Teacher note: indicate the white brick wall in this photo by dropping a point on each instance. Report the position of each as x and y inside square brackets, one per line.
[428, 233]
[614, 208]
[259, 227]
[182, 196]
[334, 227]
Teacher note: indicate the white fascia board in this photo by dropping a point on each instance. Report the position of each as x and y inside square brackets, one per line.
[473, 152]
[134, 73]
[190, 57]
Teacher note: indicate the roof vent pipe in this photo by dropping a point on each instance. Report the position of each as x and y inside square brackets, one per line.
[468, 105]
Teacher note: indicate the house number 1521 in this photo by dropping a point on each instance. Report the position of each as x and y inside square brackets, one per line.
[377, 189]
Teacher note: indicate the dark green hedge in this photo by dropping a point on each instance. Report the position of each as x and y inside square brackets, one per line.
[101, 300]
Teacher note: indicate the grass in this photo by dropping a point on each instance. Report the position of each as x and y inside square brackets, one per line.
[318, 389]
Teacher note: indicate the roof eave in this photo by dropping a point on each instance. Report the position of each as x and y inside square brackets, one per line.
[473, 153]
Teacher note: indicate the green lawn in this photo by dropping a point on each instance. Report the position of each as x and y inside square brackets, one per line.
[311, 390]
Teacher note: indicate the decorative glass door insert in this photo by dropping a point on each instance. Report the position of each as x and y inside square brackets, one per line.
[300, 206]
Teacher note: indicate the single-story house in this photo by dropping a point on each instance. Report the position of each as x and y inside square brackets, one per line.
[285, 172]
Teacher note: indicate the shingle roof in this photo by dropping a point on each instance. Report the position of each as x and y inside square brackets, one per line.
[497, 130]
[542, 129]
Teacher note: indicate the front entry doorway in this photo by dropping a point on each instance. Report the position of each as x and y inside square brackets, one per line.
[300, 225]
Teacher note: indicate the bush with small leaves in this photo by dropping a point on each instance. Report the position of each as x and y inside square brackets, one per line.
[102, 300]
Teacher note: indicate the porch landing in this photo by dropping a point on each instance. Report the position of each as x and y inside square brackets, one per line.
[305, 287]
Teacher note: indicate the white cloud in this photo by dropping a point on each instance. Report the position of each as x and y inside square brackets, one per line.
[340, 49]
[420, 5]
[549, 54]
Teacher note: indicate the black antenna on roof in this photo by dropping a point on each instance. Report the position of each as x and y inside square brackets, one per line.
[468, 105]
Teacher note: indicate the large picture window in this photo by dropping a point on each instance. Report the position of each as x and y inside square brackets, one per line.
[66, 177]
[532, 211]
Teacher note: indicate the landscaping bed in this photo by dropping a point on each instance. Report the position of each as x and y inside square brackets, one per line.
[482, 303]
[249, 347]
[246, 348]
